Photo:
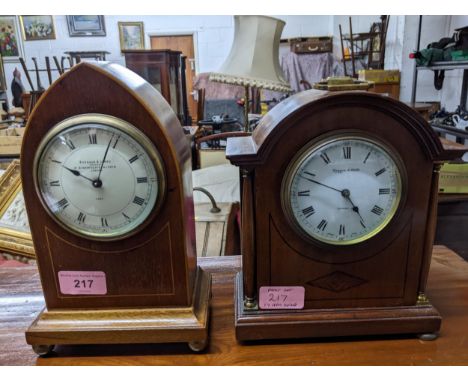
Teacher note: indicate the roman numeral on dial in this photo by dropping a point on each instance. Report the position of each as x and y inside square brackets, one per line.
[325, 157]
[62, 204]
[81, 217]
[92, 139]
[104, 222]
[347, 152]
[322, 225]
[115, 143]
[377, 210]
[342, 229]
[384, 191]
[70, 144]
[309, 211]
[138, 200]
[303, 193]
[367, 157]
[133, 159]
[142, 180]
[380, 172]
[55, 183]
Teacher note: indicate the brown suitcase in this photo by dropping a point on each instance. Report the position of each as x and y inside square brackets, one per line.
[312, 45]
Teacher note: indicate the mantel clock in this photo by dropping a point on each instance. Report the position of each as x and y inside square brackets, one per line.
[339, 200]
[106, 179]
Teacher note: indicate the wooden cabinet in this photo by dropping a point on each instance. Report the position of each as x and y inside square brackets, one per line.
[165, 70]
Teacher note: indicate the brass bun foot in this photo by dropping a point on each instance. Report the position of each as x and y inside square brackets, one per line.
[43, 350]
[198, 346]
[428, 336]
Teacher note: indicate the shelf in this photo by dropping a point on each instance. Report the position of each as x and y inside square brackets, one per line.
[449, 129]
[445, 65]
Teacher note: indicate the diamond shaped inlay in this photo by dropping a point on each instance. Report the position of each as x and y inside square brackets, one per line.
[337, 281]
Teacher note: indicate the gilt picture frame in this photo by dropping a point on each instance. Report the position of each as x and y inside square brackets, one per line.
[11, 44]
[86, 26]
[3, 85]
[15, 235]
[37, 27]
[132, 35]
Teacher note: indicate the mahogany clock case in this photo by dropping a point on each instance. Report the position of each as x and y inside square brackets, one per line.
[156, 267]
[371, 287]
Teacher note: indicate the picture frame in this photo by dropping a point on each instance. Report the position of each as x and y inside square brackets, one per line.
[132, 35]
[37, 27]
[3, 85]
[86, 26]
[11, 44]
[15, 235]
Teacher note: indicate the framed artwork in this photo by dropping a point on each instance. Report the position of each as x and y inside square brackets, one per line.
[11, 47]
[37, 28]
[15, 235]
[3, 85]
[87, 25]
[132, 35]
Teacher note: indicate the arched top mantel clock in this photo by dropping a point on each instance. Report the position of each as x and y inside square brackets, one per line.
[106, 177]
[339, 207]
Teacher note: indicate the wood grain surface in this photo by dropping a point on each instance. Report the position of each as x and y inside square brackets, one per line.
[21, 300]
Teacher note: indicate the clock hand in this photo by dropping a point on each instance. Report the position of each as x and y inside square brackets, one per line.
[346, 194]
[77, 173]
[324, 185]
[104, 159]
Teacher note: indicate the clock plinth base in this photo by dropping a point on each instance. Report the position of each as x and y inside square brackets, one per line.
[127, 326]
[310, 323]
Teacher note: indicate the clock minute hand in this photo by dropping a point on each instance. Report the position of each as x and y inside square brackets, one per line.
[324, 185]
[77, 173]
[104, 159]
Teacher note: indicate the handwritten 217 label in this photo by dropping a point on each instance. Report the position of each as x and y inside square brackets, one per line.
[82, 282]
[284, 297]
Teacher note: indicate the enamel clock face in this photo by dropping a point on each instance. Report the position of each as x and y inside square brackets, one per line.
[342, 190]
[99, 176]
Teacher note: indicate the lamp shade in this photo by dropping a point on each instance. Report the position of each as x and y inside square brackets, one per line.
[254, 56]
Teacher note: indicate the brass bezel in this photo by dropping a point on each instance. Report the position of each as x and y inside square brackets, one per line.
[315, 145]
[125, 127]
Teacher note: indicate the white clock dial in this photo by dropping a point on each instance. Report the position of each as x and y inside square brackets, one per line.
[343, 191]
[98, 176]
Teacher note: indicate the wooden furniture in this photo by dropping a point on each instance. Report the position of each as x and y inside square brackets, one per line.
[213, 153]
[368, 48]
[125, 223]
[21, 298]
[217, 233]
[163, 69]
[98, 55]
[296, 232]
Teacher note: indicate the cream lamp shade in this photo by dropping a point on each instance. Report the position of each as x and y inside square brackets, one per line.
[254, 57]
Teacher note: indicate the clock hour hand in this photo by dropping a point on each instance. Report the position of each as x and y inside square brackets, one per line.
[324, 185]
[77, 173]
[346, 194]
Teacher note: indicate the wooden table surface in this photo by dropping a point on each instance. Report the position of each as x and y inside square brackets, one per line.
[21, 299]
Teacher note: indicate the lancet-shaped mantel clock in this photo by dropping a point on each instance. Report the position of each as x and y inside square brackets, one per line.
[339, 201]
[106, 174]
